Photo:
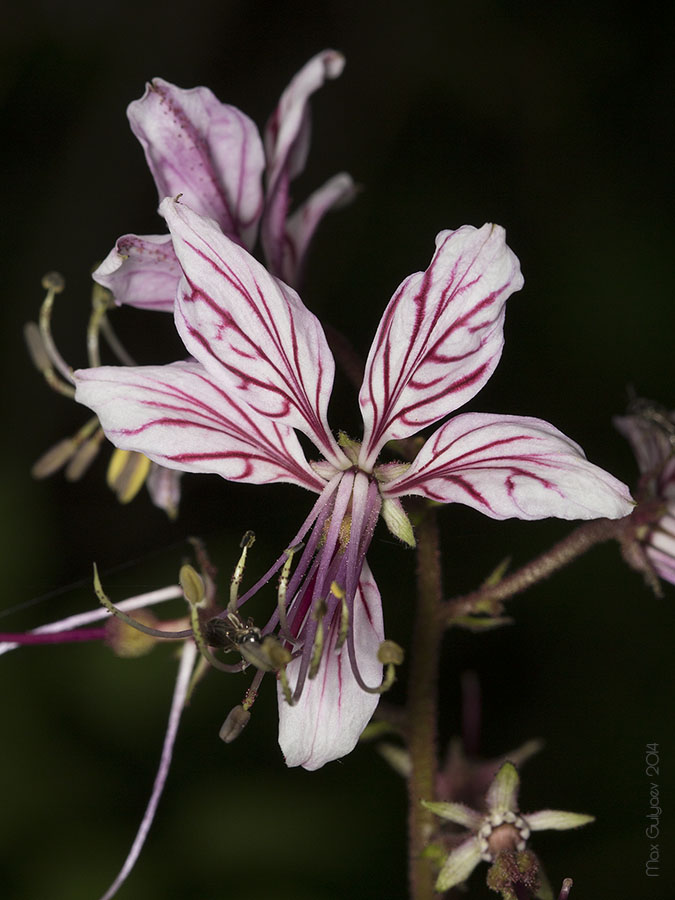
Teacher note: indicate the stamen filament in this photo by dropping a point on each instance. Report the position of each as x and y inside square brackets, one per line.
[153, 632]
[246, 543]
[54, 284]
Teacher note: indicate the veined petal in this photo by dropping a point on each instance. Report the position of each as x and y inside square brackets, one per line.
[649, 441]
[164, 488]
[287, 139]
[333, 710]
[440, 337]
[300, 227]
[556, 819]
[502, 795]
[250, 330]
[204, 149]
[511, 466]
[180, 417]
[141, 271]
[187, 662]
[459, 865]
[458, 813]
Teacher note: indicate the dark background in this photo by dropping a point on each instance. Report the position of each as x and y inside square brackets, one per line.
[554, 120]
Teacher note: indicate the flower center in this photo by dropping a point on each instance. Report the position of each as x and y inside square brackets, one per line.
[502, 831]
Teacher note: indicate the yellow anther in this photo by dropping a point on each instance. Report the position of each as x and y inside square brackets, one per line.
[84, 456]
[192, 585]
[127, 472]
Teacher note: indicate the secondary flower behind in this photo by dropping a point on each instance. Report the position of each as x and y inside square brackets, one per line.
[650, 430]
[260, 369]
[212, 153]
[501, 829]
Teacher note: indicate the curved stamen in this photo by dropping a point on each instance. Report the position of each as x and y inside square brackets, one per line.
[153, 632]
[54, 284]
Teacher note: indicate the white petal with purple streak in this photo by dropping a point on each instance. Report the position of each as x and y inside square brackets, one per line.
[180, 417]
[333, 710]
[440, 337]
[511, 466]
[204, 149]
[300, 227]
[287, 139]
[141, 271]
[250, 330]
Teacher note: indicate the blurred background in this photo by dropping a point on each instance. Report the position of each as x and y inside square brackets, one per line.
[554, 120]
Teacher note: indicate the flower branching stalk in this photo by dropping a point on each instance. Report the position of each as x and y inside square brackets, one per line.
[422, 704]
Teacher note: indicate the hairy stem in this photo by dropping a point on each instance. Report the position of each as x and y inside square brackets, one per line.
[423, 703]
[490, 596]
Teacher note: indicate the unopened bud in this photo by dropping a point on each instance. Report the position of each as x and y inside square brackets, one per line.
[390, 653]
[237, 719]
[192, 585]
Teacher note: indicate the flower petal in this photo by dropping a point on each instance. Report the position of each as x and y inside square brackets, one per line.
[459, 865]
[181, 418]
[204, 149]
[250, 330]
[556, 819]
[187, 662]
[287, 138]
[333, 710]
[650, 436]
[94, 615]
[300, 227]
[164, 488]
[511, 466]
[141, 271]
[440, 337]
[502, 795]
[458, 813]
[661, 546]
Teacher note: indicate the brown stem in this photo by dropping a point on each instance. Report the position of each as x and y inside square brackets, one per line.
[489, 597]
[422, 705]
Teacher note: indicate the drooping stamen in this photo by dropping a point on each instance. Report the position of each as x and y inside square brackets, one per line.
[100, 300]
[195, 594]
[40, 359]
[84, 456]
[338, 592]
[282, 591]
[70, 623]
[318, 614]
[54, 284]
[153, 632]
[115, 344]
[62, 452]
[319, 507]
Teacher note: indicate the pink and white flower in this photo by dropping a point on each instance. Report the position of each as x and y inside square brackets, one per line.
[212, 153]
[260, 370]
[650, 430]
